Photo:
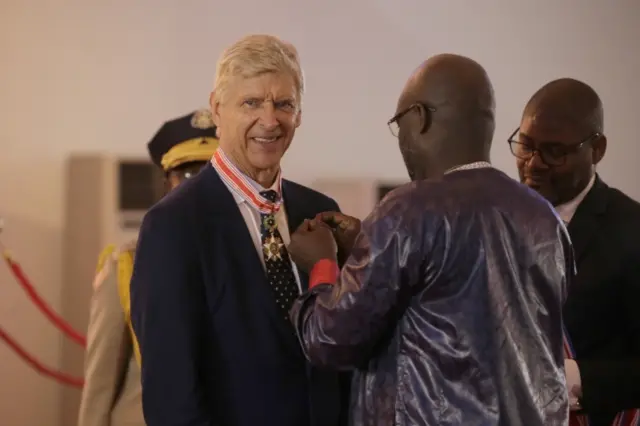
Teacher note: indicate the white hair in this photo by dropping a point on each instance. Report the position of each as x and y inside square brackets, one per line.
[254, 55]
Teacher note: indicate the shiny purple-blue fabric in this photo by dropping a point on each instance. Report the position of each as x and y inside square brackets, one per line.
[449, 310]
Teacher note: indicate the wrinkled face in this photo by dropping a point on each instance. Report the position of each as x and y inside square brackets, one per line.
[257, 120]
[572, 155]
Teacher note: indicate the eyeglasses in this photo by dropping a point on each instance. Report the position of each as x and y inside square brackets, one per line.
[553, 154]
[394, 127]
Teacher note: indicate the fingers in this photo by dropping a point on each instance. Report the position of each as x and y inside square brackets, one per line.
[314, 224]
[333, 219]
[318, 224]
[346, 224]
[339, 221]
[303, 227]
[309, 225]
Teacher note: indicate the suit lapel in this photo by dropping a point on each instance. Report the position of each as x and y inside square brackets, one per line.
[585, 222]
[247, 271]
[222, 208]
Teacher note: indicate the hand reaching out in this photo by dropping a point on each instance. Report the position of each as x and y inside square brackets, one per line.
[311, 242]
[345, 230]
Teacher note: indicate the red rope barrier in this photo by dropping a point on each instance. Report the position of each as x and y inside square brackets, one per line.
[56, 319]
[39, 367]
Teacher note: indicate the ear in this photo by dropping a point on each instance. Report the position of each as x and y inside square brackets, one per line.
[215, 107]
[599, 148]
[425, 119]
[298, 119]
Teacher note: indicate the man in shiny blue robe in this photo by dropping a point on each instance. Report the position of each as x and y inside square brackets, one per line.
[448, 309]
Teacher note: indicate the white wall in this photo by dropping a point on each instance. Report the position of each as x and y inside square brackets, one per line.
[89, 76]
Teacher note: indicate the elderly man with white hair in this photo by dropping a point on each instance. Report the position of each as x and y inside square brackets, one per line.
[213, 281]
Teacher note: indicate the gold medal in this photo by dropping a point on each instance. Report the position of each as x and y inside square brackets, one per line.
[269, 223]
[272, 248]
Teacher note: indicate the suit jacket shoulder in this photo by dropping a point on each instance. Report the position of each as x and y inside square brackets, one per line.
[623, 207]
[178, 200]
[311, 195]
[617, 217]
[176, 212]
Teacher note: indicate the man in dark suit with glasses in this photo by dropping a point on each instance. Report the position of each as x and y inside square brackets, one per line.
[558, 145]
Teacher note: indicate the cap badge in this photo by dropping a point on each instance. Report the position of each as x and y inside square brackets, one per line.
[202, 119]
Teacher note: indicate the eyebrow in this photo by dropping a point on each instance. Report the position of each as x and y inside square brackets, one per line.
[264, 98]
[530, 139]
[285, 99]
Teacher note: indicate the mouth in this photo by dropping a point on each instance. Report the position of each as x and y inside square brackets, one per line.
[266, 141]
[536, 181]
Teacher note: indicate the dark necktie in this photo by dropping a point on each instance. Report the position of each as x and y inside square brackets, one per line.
[276, 259]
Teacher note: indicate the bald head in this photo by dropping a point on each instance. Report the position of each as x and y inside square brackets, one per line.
[452, 82]
[567, 101]
[457, 113]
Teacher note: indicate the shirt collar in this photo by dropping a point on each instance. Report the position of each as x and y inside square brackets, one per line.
[568, 209]
[469, 166]
[276, 186]
[240, 200]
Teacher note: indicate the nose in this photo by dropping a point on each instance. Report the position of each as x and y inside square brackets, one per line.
[268, 118]
[536, 162]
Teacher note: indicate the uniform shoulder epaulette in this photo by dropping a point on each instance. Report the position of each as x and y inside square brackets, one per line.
[125, 259]
[130, 246]
[106, 253]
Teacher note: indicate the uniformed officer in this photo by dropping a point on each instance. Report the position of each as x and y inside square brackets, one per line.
[112, 391]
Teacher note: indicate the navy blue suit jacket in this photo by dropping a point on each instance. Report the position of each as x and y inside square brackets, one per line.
[215, 350]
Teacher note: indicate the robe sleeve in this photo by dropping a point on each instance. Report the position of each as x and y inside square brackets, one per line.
[346, 314]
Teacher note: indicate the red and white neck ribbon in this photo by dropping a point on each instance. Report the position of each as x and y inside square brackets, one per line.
[624, 418]
[243, 186]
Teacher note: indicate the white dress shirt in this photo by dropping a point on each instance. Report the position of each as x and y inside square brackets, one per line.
[574, 381]
[251, 217]
[568, 209]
